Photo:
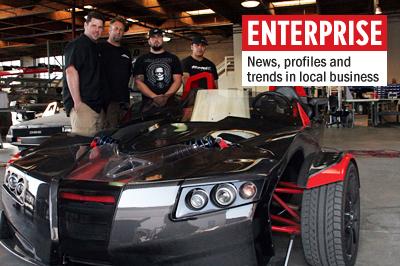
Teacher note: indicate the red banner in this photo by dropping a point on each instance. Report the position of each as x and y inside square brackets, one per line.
[314, 33]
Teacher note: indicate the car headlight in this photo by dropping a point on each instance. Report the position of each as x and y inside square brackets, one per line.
[66, 129]
[197, 199]
[248, 190]
[224, 194]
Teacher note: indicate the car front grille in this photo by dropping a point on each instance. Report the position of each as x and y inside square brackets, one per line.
[85, 225]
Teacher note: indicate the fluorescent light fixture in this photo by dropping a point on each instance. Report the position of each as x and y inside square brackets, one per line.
[88, 7]
[166, 39]
[294, 3]
[200, 12]
[77, 9]
[250, 3]
[132, 20]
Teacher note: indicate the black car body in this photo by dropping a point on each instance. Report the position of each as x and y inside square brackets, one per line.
[162, 193]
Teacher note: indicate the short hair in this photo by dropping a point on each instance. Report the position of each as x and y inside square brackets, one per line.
[94, 14]
[122, 20]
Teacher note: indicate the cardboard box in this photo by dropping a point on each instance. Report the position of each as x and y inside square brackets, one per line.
[389, 118]
[360, 120]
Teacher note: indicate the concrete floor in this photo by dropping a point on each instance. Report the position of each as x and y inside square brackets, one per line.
[380, 197]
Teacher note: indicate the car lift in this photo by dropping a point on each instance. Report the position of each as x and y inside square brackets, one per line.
[286, 225]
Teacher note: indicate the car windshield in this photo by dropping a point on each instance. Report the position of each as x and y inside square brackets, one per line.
[215, 105]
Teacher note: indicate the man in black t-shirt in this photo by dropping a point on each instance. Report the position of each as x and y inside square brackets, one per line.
[197, 63]
[82, 95]
[116, 64]
[158, 74]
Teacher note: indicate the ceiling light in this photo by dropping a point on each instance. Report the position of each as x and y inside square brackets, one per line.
[166, 39]
[250, 3]
[200, 12]
[132, 20]
[378, 9]
[294, 3]
[88, 7]
[77, 9]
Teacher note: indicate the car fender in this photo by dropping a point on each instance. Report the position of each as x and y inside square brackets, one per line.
[327, 168]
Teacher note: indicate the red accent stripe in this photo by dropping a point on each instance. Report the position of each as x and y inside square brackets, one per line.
[93, 143]
[332, 174]
[295, 112]
[288, 190]
[27, 70]
[78, 197]
[304, 117]
[283, 220]
[300, 91]
[190, 83]
[289, 184]
[286, 229]
[88, 171]
[15, 157]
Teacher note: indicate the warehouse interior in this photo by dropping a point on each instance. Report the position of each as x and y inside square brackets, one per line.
[361, 120]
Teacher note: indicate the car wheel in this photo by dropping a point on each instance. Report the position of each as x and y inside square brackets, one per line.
[330, 221]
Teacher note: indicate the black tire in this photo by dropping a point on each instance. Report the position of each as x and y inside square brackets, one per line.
[330, 220]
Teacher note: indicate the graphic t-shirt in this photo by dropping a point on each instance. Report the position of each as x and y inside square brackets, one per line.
[193, 67]
[158, 70]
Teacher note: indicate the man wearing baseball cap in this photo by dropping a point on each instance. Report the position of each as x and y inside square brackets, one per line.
[158, 74]
[197, 63]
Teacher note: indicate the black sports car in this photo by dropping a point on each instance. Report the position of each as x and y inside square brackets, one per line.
[211, 191]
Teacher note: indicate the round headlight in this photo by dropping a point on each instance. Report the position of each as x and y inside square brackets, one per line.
[225, 194]
[12, 181]
[247, 190]
[197, 199]
[20, 188]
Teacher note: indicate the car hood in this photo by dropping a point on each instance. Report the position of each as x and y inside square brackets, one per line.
[169, 152]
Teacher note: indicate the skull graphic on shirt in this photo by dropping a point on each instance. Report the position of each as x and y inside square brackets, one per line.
[159, 74]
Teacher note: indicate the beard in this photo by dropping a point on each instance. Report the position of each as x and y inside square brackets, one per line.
[156, 48]
[117, 39]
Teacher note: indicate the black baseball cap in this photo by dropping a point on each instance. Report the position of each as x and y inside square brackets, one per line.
[199, 40]
[154, 32]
